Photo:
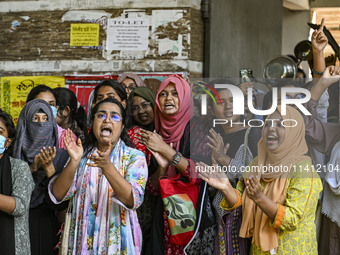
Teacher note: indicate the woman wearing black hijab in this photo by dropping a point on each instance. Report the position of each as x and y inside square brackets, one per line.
[37, 145]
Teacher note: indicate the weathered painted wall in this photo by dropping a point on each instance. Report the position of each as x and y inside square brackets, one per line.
[39, 41]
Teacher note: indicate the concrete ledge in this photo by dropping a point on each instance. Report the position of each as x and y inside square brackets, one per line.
[59, 5]
[98, 66]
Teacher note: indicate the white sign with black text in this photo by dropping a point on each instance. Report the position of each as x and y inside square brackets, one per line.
[127, 34]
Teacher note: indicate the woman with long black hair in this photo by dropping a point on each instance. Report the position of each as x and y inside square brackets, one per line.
[70, 114]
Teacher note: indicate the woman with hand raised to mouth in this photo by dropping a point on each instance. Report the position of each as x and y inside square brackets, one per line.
[106, 185]
[278, 205]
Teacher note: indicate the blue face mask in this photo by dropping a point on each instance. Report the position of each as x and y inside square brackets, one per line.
[54, 110]
[2, 144]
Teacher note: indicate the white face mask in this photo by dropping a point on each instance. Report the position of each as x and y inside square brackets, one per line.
[2, 144]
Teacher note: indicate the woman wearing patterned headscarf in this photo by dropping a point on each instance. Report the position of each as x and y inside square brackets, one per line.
[280, 194]
[37, 134]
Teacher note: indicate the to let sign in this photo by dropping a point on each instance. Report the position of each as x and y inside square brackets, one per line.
[127, 34]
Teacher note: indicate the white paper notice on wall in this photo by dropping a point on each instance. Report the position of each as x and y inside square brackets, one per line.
[127, 34]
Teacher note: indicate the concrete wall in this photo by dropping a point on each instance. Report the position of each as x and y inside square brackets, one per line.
[244, 34]
[294, 30]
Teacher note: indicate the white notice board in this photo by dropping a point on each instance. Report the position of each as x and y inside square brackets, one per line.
[127, 34]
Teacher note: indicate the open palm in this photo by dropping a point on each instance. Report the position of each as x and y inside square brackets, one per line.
[75, 149]
[211, 175]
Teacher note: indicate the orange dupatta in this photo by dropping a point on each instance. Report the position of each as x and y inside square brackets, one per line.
[255, 222]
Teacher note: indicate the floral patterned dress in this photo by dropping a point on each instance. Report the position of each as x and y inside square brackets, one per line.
[101, 224]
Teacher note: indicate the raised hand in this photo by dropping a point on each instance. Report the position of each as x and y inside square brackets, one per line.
[330, 75]
[319, 39]
[213, 176]
[253, 188]
[102, 159]
[46, 157]
[330, 60]
[75, 150]
[36, 163]
[218, 149]
[244, 87]
[152, 140]
[163, 163]
[332, 72]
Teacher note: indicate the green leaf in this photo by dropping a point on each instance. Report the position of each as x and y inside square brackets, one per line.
[178, 208]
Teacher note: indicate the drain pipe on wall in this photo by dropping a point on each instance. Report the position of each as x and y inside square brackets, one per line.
[205, 6]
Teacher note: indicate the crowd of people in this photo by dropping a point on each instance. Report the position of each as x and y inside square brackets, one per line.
[112, 166]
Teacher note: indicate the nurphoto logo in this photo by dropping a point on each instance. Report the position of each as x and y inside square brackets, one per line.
[238, 107]
[238, 97]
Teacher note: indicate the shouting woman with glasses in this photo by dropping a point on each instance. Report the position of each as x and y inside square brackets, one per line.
[106, 185]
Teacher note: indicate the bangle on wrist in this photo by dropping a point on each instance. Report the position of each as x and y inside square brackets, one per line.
[319, 73]
[176, 158]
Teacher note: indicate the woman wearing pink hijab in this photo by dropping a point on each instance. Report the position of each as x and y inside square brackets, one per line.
[172, 116]
[170, 147]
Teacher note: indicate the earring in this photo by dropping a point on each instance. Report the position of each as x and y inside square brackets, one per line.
[7, 139]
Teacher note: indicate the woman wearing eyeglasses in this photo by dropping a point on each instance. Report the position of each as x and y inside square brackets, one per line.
[142, 104]
[106, 185]
[130, 82]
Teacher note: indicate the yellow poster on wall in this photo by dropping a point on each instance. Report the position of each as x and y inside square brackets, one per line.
[14, 91]
[84, 34]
